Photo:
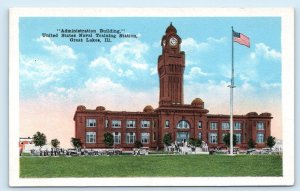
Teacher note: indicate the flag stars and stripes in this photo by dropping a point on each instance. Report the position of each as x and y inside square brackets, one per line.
[241, 38]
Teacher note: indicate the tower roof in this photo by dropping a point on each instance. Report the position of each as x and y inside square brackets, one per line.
[171, 29]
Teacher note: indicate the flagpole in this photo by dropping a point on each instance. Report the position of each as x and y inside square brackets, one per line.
[231, 93]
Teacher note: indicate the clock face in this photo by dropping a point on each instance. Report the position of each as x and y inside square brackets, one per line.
[173, 41]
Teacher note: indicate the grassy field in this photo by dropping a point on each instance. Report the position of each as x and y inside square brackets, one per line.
[147, 166]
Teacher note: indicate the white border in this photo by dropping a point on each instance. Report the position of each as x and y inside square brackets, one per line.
[287, 40]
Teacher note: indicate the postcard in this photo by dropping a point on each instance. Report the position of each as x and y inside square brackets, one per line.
[151, 97]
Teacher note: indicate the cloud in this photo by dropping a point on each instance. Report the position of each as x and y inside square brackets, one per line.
[190, 44]
[130, 53]
[114, 95]
[106, 92]
[200, 52]
[252, 68]
[196, 72]
[62, 51]
[153, 71]
[127, 73]
[270, 85]
[247, 98]
[101, 61]
[265, 51]
[41, 72]
[101, 84]
[216, 97]
[212, 40]
[139, 65]
[60, 89]
[42, 69]
[124, 59]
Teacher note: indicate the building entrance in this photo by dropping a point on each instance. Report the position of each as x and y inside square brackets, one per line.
[182, 137]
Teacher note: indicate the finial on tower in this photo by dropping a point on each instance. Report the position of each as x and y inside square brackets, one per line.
[171, 29]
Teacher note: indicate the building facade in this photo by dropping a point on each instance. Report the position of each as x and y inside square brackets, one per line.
[182, 121]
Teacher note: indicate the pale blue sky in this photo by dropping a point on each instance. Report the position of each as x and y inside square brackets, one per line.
[56, 65]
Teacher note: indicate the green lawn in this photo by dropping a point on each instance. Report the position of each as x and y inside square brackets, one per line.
[147, 166]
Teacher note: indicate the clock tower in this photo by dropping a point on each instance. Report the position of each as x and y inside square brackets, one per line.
[171, 64]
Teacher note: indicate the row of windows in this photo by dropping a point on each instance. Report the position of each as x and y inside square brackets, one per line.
[117, 123]
[225, 126]
[214, 125]
[145, 137]
[213, 138]
[237, 126]
[181, 125]
[130, 137]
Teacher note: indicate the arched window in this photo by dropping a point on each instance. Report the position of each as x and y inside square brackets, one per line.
[183, 125]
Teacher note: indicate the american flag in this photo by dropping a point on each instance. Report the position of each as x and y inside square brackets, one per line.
[241, 39]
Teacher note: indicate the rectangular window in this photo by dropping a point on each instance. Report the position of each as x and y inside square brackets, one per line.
[117, 137]
[238, 138]
[130, 123]
[237, 126]
[91, 123]
[106, 123]
[213, 125]
[260, 126]
[260, 138]
[213, 138]
[154, 136]
[223, 135]
[200, 136]
[90, 137]
[225, 126]
[145, 137]
[130, 138]
[116, 123]
[145, 124]
[167, 124]
[199, 124]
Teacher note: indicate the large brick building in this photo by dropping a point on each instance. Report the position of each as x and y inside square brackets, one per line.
[182, 121]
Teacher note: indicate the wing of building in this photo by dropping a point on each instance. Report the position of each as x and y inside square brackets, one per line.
[182, 121]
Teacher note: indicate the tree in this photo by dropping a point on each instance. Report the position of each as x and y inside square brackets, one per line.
[76, 142]
[167, 139]
[138, 144]
[39, 139]
[251, 143]
[195, 142]
[271, 141]
[226, 139]
[108, 139]
[55, 143]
